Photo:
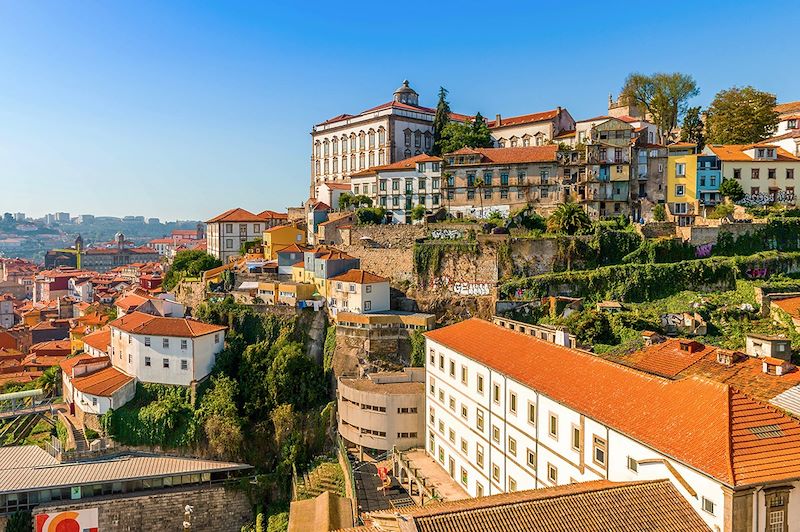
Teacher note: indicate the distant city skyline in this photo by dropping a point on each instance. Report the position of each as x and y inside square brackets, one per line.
[183, 110]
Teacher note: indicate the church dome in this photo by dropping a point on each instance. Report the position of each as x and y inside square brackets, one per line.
[405, 94]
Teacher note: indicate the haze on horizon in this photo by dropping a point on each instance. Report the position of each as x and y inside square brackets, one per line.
[182, 110]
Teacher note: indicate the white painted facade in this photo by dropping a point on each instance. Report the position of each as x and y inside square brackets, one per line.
[358, 298]
[399, 191]
[165, 359]
[494, 458]
[224, 239]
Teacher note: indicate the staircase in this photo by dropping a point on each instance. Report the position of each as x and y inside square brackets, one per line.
[81, 443]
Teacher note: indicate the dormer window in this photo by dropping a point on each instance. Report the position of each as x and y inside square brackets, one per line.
[792, 124]
[770, 153]
[760, 153]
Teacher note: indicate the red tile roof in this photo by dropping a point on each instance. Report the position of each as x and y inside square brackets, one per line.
[272, 215]
[667, 358]
[238, 215]
[406, 164]
[788, 107]
[523, 119]
[735, 153]
[790, 305]
[394, 105]
[360, 277]
[102, 383]
[294, 248]
[140, 323]
[702, 423]
[68, 363]
[99, 339]
[525, 154]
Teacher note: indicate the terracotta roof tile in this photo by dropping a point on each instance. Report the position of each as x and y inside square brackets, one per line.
[406, 164]
[359, 277]
[735, 153]
[671, 416]
[524, 154]
[238, 215]
[790, 305]
[103, 382]
[99, 339]
[788, 107]
[523, 119]
[140, 323]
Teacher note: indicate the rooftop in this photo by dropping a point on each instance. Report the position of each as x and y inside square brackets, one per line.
[359, 277]
[736, 152]
[668, 415]
[524, 154]
[102, 383]
[523, 119]
[140, 323]
[27, 468]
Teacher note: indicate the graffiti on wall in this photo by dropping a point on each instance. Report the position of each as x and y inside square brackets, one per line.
[760, 199]
[703, 251]
[446, 234]
[757, 273]
[79, 520]
[463, 288]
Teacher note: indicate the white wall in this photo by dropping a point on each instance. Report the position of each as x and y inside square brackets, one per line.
[572, 465]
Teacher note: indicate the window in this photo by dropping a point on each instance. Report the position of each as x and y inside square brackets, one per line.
[754, 173]
[512, 402]
[147, 341]
[680, 190]
[432, 416]
[147, 361]
[452, 369]
[184, 344]
[495, 473]
[599, 451]
[708, 506]
[790, 173]
[464, 479]
[633, 465]
[464, 374]
[487, 193]
[368, 289]
[552, 473]
[184, 365]
[553, 426]
[512, 484]
[367, 305]
[94, 401]
[480, 384]
[432, 355]
[512, 446]
[479, 419]
[464, 413]
[531, 459]
[777, 521]
[755, 190]
[531, 413]
[130, 358]
[771, 173]
[165, 343]
[496, 393]
[737, 173]
[166, 363]
[452, 403]
[451, 435]
[479, 454]
[496, 433]
[441, 362]
[441, 426]
[576, 438]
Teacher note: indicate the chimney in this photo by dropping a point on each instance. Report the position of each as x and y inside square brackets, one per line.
[498, 121]
[559, 109]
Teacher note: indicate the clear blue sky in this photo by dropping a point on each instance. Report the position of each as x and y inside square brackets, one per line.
[183, 109]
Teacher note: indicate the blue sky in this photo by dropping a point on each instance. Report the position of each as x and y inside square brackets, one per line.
[183, 109]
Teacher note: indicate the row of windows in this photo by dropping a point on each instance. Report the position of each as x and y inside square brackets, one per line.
[755, 173]
[243, 229]
[355, 142]
[332, 165]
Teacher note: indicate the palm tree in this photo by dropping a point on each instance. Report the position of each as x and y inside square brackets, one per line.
[478, 183]
[568, 218]
[48, 381]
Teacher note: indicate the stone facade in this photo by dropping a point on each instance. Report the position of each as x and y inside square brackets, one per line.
[215, 508]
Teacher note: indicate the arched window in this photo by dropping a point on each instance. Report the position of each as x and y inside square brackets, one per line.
[352, 142]
[361, 161]
[316, 168]
[417, 138]
[335, 164]
[352, 163]
[501, 143]
[428, 140]
[372, 158]
[371, 139]
[344, 164]
[514, 142]
[335, 145]
[381, 136]
[326, 147]
[381, 157]
[344, 145]
[361, 140]
[326, 166]
[407, 135]
[318, 148]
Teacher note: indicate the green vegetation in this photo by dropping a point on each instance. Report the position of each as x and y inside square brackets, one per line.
[440, 120]
[659, 213]
[417, 349]
[49, 380]
[20, 522]
[428, 255]
[329, 348]
[731, 189]
[348, 201]
[570, 219]
[692, 129]
[471, 134]
[370, 215]
[778, 233]
[663, 95]
[722, 210]
[741, 116]
[659, 250]
[188, 264]
[418, 212]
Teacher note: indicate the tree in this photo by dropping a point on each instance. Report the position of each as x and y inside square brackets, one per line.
[659, 213]
[663, 95]
[19, 522]
[569, 218]
[741, 116]
[472, 134]
[345, 201]
[692, 128]
[370, 215]
[440, 120]
[592, 327]
[294, 378]
[49, 380]
[418, 212]
[417, 349]
[479, 182]
[731, 189]
[189, 263]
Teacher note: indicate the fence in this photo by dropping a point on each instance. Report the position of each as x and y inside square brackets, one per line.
[350, 481]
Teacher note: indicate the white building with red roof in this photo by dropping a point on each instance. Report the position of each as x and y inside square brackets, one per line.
[225, 233]
[387, 133]
[508, 411]
[178, 351]
[357, 291]
[91, 385]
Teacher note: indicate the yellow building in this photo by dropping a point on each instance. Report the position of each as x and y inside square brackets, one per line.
[766, 172]
[282, 236]
[289, 293]
[682, 182]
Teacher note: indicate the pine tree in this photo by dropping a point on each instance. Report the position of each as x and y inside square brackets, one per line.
[440, 121]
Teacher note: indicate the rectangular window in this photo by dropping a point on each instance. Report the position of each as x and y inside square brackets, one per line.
[216, 338]
[432, 416]
[479, 419]
[553, 426]
[737, 173]
[147, 361]
[512, 446]
[464, 413]
[512, 402]
[531, 413]
[552, 473]
[166, 362]
[130, 358]
[480, 384]
[496, 433]
[633, 465]
[576, 438]
[463, 445]
[452, 369]
[754, 173]
[599, 451]
[147, 341]
[441, 362]
[452, 403]
[451, 435]
[165, 343]
[479, 454]
[708, 506]
[184, 344]
[531, 459]
[432, 357]
[495, 473]
[504, 180]
[680, 190]
[512, 484]
[496, 393]
[464, 479]
[464, 374]
[184, 365]
[478, 490]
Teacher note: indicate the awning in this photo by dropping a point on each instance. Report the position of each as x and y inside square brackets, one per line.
[249, 285]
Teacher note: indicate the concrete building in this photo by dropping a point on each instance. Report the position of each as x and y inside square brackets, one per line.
[509, 412]
[357, 291]
[480, 181]
[764, 345]
[282, 236]
[381, 135]
[382, 410]
[766, 172]
[164, 350]
[400, 186]
[229, 231]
